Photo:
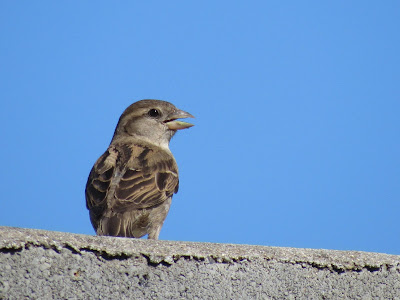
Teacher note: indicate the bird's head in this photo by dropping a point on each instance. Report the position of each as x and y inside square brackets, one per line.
[152, 120]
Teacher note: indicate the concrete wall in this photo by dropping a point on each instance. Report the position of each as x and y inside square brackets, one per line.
[39, 264]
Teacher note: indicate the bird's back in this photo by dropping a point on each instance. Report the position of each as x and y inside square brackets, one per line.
[129, 189]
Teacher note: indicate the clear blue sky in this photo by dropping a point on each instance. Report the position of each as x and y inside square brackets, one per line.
[297, 132]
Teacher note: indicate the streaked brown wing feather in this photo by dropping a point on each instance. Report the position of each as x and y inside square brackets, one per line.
[99, 183]
[149, 179]
[131, 177]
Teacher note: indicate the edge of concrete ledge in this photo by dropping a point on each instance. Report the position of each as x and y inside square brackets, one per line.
[168, 252]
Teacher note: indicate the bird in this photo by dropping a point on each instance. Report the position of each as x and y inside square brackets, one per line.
[130, 187]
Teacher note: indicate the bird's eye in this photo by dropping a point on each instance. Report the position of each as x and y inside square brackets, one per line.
[154, 113]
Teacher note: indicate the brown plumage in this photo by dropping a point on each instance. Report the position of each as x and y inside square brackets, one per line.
[130, 187]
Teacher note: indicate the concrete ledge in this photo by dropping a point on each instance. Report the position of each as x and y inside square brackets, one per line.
[39, 264]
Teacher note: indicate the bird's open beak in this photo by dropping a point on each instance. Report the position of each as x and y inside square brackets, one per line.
[172, 122]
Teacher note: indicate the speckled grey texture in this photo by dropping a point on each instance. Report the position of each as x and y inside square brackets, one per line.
[37, 264]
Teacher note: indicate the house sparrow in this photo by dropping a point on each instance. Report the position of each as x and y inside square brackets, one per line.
[130, 187]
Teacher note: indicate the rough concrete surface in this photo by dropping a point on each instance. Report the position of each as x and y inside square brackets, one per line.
[38, 264]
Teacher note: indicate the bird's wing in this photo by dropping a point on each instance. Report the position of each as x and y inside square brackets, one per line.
[99, 184]
[131, 177]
